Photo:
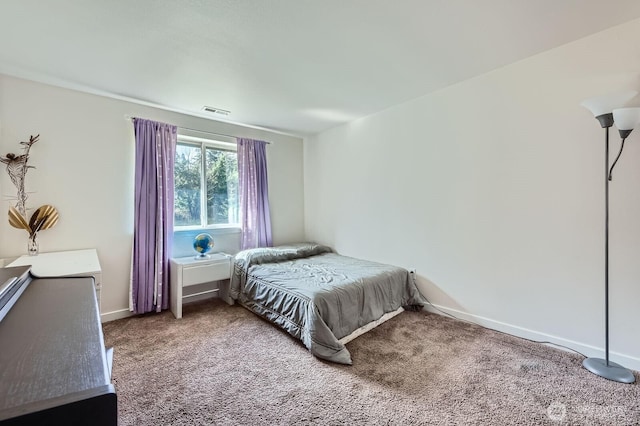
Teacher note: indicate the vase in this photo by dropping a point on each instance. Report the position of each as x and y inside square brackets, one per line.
[32, 245]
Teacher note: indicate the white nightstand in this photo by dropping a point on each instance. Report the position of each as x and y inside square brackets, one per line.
[77, 263]
[188, 271]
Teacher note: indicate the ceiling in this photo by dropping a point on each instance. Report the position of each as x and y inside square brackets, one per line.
[297, 66]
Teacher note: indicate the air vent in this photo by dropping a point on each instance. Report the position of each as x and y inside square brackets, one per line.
[216, 110]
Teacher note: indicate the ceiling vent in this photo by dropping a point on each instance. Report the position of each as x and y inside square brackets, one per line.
[216, 110]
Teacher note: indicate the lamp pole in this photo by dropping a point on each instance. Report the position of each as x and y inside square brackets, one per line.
[606, 246]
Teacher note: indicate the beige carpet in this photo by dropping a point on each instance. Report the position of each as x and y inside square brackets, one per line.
[222, 365]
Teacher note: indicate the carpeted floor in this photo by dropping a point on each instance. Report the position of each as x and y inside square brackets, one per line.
[222, 365]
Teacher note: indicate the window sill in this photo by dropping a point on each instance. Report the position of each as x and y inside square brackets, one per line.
[215, 230]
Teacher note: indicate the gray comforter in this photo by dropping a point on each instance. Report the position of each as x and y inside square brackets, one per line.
[319, 296]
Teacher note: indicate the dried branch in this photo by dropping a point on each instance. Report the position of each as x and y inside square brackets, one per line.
[17, 167]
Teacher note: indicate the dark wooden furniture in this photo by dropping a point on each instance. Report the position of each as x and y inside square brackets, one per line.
[53, 366]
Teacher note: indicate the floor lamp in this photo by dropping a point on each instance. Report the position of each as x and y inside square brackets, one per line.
[607, 111]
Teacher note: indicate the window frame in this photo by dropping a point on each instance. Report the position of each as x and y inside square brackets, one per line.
[205, 143]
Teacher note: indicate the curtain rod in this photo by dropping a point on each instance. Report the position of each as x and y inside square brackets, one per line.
[128, 117]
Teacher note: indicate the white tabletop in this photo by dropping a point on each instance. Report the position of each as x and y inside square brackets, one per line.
[61, 263]
[213, 258]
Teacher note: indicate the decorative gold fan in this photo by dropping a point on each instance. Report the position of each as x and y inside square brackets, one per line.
[44, 217]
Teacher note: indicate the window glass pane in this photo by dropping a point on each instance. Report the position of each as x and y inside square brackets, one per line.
[188, 172]
[222, 186]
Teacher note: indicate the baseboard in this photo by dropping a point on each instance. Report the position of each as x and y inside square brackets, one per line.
[114, 315]
[126, 313]
[588, 350]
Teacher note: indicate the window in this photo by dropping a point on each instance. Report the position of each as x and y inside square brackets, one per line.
[206, 183]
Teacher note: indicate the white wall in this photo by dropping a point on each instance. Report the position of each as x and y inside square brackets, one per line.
[84, 167]
[494, 190]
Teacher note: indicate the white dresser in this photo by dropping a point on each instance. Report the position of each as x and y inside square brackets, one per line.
[189, 271]
[76, 263]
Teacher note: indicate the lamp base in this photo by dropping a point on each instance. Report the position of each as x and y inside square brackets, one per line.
[613, 371]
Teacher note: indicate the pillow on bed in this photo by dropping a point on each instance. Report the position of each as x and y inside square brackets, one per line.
[279, 254]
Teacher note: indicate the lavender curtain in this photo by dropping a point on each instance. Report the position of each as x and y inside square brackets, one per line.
[153, 221]
[254, 194]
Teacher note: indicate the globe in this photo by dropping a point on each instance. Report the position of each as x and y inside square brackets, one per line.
[203, 243]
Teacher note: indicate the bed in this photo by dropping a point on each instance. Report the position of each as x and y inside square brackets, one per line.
[319, 296]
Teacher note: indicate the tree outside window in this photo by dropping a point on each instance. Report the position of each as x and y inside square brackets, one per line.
[206, 185]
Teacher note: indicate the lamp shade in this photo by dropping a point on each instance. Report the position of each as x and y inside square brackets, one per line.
[626, 118]
[606, 104]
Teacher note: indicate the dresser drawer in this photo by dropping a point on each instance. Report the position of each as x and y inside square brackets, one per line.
[198, 274]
